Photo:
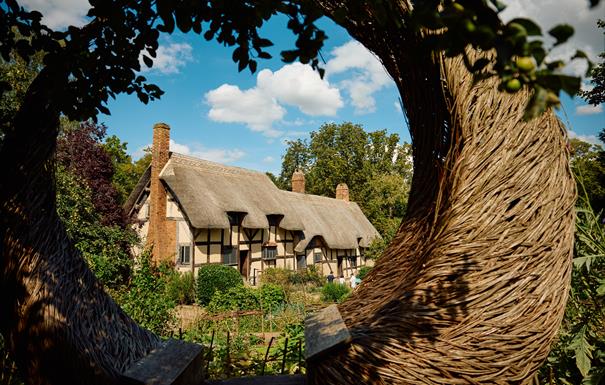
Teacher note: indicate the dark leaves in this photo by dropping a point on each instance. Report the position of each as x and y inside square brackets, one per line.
[561, 33]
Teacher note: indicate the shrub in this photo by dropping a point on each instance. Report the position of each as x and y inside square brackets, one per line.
[363, 271]
[308, 275]
[180, 287]
[235, 298]
[271, 296]
[145, 298]
[276, 275]
[334, 292]
[211, 278]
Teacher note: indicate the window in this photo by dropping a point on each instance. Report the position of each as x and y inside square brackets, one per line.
[229, 255]
[269, 252]
[184, 255]
[353, 261]
[301, 262]
[317, 257]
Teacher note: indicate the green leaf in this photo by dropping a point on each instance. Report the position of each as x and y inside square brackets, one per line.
[579, 55]
[561, 32]
[536, 104]
[532, 28]
[601, 289]
[583, 351]
[500, 6]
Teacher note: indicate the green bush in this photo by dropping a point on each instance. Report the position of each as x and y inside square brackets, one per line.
[276, 275]
[308, 275]
[180, 287]
[145, 299]
[235, 298]
[271, 296]
[334, 292]
[211, 278]
[363, 271]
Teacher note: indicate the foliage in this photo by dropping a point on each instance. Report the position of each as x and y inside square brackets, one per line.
[276, 276]
[90, 64]
[588, 166]
[363, 271]
[596, 95]
[233, 299]
[211, 278]
[180, 287]
[18, 74]
[80, 151]
[376, 167]
[579, 355]
[334, 292]
[145, 298]
[310, 275]
[292, 345]
[126, 172]
[105, 248]
[271, 296]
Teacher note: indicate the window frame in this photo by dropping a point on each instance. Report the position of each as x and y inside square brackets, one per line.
[269, 253]
[182, 254]
[226, 258]
[317, 254]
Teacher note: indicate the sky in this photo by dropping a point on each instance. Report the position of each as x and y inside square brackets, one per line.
[245, 119]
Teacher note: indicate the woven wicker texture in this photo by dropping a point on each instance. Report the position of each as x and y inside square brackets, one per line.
[473, 288]
[56, 318]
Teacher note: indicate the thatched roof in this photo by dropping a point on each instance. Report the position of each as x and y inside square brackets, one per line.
[207, 191]
[341, 224]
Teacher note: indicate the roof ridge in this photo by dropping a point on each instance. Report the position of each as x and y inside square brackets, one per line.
[210, 166]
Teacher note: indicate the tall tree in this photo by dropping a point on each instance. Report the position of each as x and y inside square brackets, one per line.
[375, 166]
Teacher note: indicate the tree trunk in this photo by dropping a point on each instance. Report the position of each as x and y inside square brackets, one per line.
[473, 287]
[56, 318]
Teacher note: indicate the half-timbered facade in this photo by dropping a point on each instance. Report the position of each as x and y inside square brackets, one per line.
[195, 212]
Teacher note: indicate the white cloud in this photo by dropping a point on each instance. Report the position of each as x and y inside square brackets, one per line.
[218, 155]
[268, 159]
[59, 14]
[589, 109]
[397, 106]
[592, 139]
[261, 106]
[548, 13]
[299, 85]
[257, 110]
[368, 76]
[169, 58]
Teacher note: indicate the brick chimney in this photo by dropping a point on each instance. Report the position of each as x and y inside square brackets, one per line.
[159, 234]
[298, 182]
[342, 192]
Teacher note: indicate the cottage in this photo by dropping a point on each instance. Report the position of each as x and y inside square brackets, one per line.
[195, 212]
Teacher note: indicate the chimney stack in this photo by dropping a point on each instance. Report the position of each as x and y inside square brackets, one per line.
[156, 235]
[298, 182]
[342, 192]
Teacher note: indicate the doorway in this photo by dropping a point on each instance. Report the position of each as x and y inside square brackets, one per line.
[243, 263]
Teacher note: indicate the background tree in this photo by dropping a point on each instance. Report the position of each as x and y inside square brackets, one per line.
[375, 166]
[588, 165]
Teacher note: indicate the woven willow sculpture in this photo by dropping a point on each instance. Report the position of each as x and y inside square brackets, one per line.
[472, 289]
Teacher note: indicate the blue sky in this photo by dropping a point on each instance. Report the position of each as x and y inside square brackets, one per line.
[242, 119]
